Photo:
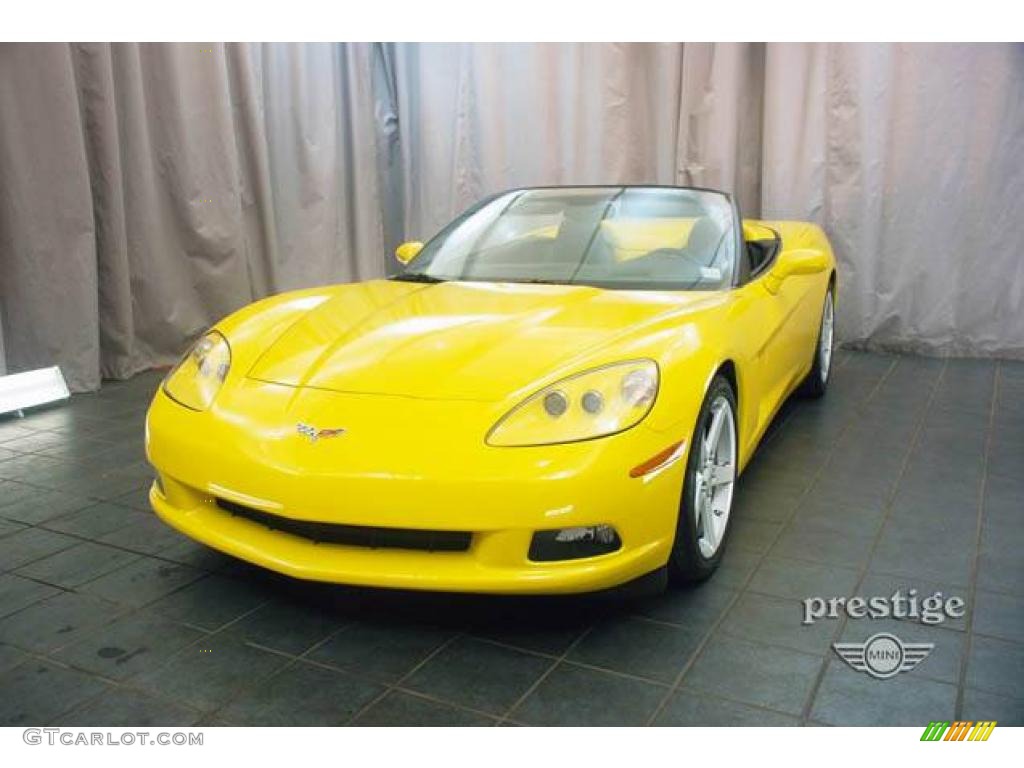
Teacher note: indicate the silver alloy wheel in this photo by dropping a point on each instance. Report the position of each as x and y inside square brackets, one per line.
[714, 477]
[825, 339]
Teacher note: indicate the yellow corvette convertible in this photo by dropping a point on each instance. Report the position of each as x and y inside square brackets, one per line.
[556, 395]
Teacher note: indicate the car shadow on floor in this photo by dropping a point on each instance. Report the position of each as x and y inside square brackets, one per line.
[450, 611]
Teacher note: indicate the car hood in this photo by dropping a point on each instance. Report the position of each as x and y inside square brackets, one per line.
[463, 341]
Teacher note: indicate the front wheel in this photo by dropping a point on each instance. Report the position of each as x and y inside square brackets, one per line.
[706, 504]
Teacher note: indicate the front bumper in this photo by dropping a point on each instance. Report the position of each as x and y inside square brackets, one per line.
[438, 475]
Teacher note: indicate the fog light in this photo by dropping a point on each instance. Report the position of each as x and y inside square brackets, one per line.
[574, 543]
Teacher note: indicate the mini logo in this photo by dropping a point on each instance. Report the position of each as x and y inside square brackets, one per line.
[961, 730]
[883, 655]
[314, 434]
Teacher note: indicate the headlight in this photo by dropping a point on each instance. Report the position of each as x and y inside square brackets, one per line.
[195, 381]
[595, 403]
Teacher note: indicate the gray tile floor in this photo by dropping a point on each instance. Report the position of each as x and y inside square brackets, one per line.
[909, 474]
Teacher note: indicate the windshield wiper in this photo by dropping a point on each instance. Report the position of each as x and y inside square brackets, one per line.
[417, 277]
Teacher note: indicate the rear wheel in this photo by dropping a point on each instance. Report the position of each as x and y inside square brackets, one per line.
[706, 504]
[817, 380]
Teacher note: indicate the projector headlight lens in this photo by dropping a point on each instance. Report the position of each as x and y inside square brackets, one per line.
[555, 404]
[592, 402]
[595, 403]
[195, 381]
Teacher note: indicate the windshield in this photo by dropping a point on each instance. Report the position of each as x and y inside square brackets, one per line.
[611, 237]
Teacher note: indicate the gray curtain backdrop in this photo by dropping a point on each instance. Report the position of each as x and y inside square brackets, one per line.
[147, 190]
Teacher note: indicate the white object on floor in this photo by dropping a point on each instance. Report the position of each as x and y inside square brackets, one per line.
[25, 390]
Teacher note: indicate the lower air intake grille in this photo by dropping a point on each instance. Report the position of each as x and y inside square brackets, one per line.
[355, 535]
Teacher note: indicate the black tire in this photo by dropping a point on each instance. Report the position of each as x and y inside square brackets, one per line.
[687, 564]
[816, 383]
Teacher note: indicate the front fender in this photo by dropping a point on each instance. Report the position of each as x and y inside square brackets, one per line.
[255, 327]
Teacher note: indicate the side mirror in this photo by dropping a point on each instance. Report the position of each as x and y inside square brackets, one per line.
[801, 261]
[406, 252]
